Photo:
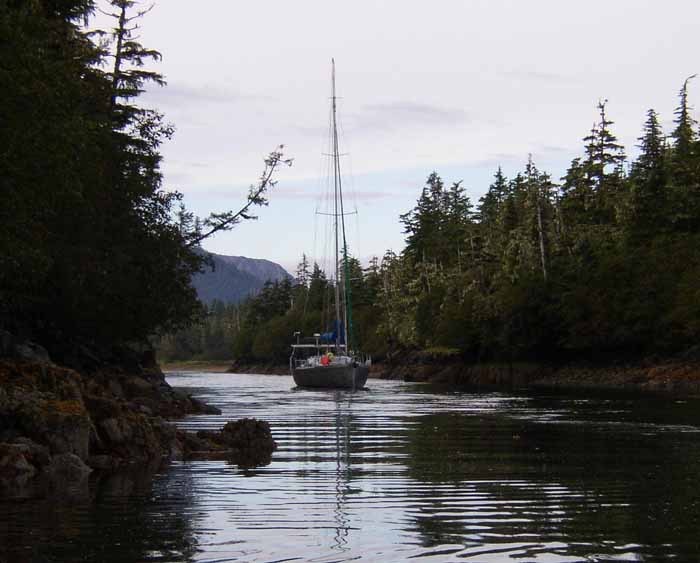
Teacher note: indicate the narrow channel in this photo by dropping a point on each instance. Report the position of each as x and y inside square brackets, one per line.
[396, 472]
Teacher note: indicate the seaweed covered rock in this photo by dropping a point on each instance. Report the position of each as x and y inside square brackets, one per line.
[15, 469]
[57, 425]
[43, 403]
[247, 442]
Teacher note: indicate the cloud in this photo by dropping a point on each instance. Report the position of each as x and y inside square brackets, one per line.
[404, 114]
[551, 149]
[539, 76]
[313, 194]
[495, 160]
[280, 193]
[179, 93]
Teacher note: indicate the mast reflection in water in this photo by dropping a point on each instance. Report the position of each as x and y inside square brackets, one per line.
[396, 472]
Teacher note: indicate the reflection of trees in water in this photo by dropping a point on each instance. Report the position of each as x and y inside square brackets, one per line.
[132, 515]
[490, 480]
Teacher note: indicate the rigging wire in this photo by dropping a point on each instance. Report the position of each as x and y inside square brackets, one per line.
[349, 178]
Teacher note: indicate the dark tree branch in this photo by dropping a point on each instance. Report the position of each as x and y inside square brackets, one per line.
[256, 196]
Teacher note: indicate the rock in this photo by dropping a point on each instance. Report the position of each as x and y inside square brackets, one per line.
[53, 420]
[36, 454]
[115, 388]
[200, 407]
[137, 405]
[102, 407]
[67, 471]
[70, 434]
[102, 461]
[115, 430]
[138, 387]
[197, 442]
[180, 394]
[15, 469]
[145, 405]
[247, 442]
[248, 433]
[32, 352]
[63, 426]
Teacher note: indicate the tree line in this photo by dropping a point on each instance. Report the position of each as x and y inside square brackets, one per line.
[602, 264]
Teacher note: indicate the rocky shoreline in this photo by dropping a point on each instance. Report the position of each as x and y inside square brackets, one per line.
[670, 376]
[59, 425]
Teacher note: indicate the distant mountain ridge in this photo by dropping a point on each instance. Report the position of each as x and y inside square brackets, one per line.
[233, 278]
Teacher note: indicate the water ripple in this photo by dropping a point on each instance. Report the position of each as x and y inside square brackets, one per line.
[396, 473]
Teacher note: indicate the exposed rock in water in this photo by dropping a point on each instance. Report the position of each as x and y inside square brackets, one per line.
[58, 425]
[247, 442]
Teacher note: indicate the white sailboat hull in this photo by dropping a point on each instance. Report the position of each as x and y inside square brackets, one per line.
[348, 376]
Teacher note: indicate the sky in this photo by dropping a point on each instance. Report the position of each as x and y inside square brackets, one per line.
[454, 86]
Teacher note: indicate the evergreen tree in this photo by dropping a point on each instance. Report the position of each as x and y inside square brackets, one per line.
[490, 204]
[302, 273]
[539, 194]
[425, 222]
[685, 167]
[684, 133]
[603, 167]
[649, 178]
[458, 224]
[318, 299]
[129, 75]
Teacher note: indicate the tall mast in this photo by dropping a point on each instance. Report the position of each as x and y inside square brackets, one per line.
[339, 214]
[336, 193]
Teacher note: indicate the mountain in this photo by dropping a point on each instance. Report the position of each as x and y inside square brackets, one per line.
[233, 278]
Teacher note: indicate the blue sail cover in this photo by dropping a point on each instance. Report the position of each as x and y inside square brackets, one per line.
[329, 337]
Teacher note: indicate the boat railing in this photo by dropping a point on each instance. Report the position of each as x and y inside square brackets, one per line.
[303, 354]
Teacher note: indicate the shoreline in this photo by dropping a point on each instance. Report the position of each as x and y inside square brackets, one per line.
[206, 366]
[670, 377]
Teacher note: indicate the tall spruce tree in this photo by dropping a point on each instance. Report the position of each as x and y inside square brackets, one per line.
[685, 166]
[684, 132]
[490, 203]
[425, 222]
[648, 204]
[603, 166]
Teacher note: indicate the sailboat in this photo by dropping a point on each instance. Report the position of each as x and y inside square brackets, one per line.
[331, 361]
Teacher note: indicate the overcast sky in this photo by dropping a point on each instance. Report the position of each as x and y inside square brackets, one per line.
[453, 86]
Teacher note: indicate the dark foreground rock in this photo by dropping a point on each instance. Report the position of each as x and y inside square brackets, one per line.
[58, 425]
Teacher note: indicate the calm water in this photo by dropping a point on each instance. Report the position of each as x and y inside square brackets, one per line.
[397, 473]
